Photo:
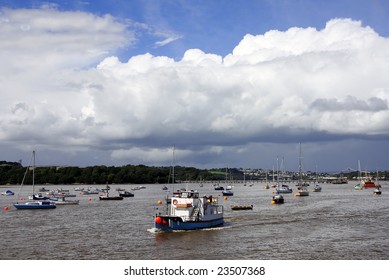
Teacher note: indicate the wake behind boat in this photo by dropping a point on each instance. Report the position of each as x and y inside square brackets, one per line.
[189, 211]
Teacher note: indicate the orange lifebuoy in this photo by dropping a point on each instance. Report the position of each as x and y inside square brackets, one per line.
[175, 201]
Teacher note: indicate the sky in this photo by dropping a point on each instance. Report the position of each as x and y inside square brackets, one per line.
[227, 83]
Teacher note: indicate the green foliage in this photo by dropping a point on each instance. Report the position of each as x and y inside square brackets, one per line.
[12, 173]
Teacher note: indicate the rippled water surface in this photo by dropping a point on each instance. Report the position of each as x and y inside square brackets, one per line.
[338, 223]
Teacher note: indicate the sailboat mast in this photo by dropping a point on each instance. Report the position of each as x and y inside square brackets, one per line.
[33, 172]
[278, 175]
[173, 182]
[300, 167]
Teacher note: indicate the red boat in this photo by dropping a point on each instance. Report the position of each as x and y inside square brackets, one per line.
[368, 184]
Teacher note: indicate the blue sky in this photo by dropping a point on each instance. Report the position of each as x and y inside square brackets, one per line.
[234, 83]
[218, 26]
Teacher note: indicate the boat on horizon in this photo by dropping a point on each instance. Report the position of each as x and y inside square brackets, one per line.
[189, 211]
[90, 191]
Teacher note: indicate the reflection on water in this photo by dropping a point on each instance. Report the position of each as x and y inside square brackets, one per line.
[338, 223]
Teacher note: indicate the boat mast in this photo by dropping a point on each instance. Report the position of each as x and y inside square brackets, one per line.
[33, 172]
[278, 175]
[300, 168]
[173, 162]
[376, 183]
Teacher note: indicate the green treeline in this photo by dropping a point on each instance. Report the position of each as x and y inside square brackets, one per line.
[12, 173]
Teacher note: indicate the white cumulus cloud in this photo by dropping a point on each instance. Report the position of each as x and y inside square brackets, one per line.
[272, 87]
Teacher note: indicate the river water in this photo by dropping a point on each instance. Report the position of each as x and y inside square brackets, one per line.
[338, 223]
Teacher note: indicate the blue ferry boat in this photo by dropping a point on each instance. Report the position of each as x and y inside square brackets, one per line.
[188, 211]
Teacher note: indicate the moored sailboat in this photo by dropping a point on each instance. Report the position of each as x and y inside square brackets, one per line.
[35, 204]
[282, 188]
[302, 189]
[359, 186]
[278, 198]
[377, 190]
[316, 187]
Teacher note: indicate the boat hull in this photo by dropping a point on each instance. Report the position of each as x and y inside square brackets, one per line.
[369, 185]
[126, 194]
[377, 192]
[8, 193]
[32, 206]
[302, 193]
[278, 199]
[170, 223]
[111, 198]
[228, 193]
[284, 191]
[67, 202]
[241, 207]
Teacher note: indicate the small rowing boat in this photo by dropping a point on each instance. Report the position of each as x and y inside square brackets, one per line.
[241, 207]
